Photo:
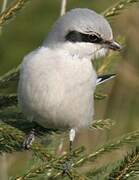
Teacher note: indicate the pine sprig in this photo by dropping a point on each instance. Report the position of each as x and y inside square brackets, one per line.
[11, 75]
[118, 7]
[99, 96]
[8, 100]
[128, 139]
[102, 124]
[54, 168]
[129, 167]
[106, 62]
[44, 170]
[11, 139]
[11, 114]
[99, 173]
[12, 11]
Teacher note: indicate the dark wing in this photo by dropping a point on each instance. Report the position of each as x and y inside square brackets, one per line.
[102, 78]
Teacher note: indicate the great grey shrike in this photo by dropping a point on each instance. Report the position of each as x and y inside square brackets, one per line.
[57, 80]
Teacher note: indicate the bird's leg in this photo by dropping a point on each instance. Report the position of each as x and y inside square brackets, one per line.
[67, 164]
[71, 139]
[29, 139]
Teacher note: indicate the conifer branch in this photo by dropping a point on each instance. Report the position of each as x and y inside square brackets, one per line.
[129, 167]
[11, 114]
[99, 172]
[128, 139]
[11, 75]
[118, 7]
[50, 169]
[99, 96]
[53, 169]
[107, 61]
[11, 140]
[102, 124]
[11, 11]
[8, 100]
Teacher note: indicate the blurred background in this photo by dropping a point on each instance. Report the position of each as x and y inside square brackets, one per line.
[28, 30]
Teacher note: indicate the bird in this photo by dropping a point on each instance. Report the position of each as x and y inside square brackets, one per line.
[57, 80]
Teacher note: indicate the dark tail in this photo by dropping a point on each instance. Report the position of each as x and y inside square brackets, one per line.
[102, 78]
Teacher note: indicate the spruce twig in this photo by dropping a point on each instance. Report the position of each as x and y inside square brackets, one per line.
[118, 7]
[11, 140]
[107, 61]
[11, 75]
[11, 113]
[11, 117]
[50, 170]
[11, 11]
[102, 124]
[53, 169]
[99, 96]
[100, 172]
[128, 139]
[45, 169]
[8, 100]
[129, 167]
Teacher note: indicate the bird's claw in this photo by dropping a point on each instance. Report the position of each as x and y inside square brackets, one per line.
[27, 143]
[66, 167]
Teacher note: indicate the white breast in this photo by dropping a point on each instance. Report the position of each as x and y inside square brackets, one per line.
[56, 90]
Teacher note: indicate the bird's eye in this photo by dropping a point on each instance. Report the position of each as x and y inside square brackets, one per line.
[75, 36]
[94, 38]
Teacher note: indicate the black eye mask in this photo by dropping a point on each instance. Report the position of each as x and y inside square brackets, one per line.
[75, 36]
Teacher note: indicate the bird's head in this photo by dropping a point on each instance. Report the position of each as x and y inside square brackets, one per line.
[82, 32]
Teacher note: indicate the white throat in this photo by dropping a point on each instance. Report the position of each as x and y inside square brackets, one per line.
[81, 50]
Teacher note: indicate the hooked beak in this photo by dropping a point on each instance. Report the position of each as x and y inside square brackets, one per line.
[114, 46]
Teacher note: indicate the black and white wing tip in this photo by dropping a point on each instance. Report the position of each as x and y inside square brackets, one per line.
[102, 78]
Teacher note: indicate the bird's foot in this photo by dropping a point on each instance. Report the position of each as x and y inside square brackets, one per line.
[66, 168]
[27, 143]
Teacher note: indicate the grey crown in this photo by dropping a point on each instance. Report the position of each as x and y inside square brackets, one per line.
[81, 20]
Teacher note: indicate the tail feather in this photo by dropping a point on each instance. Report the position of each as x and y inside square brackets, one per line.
[102, 78]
